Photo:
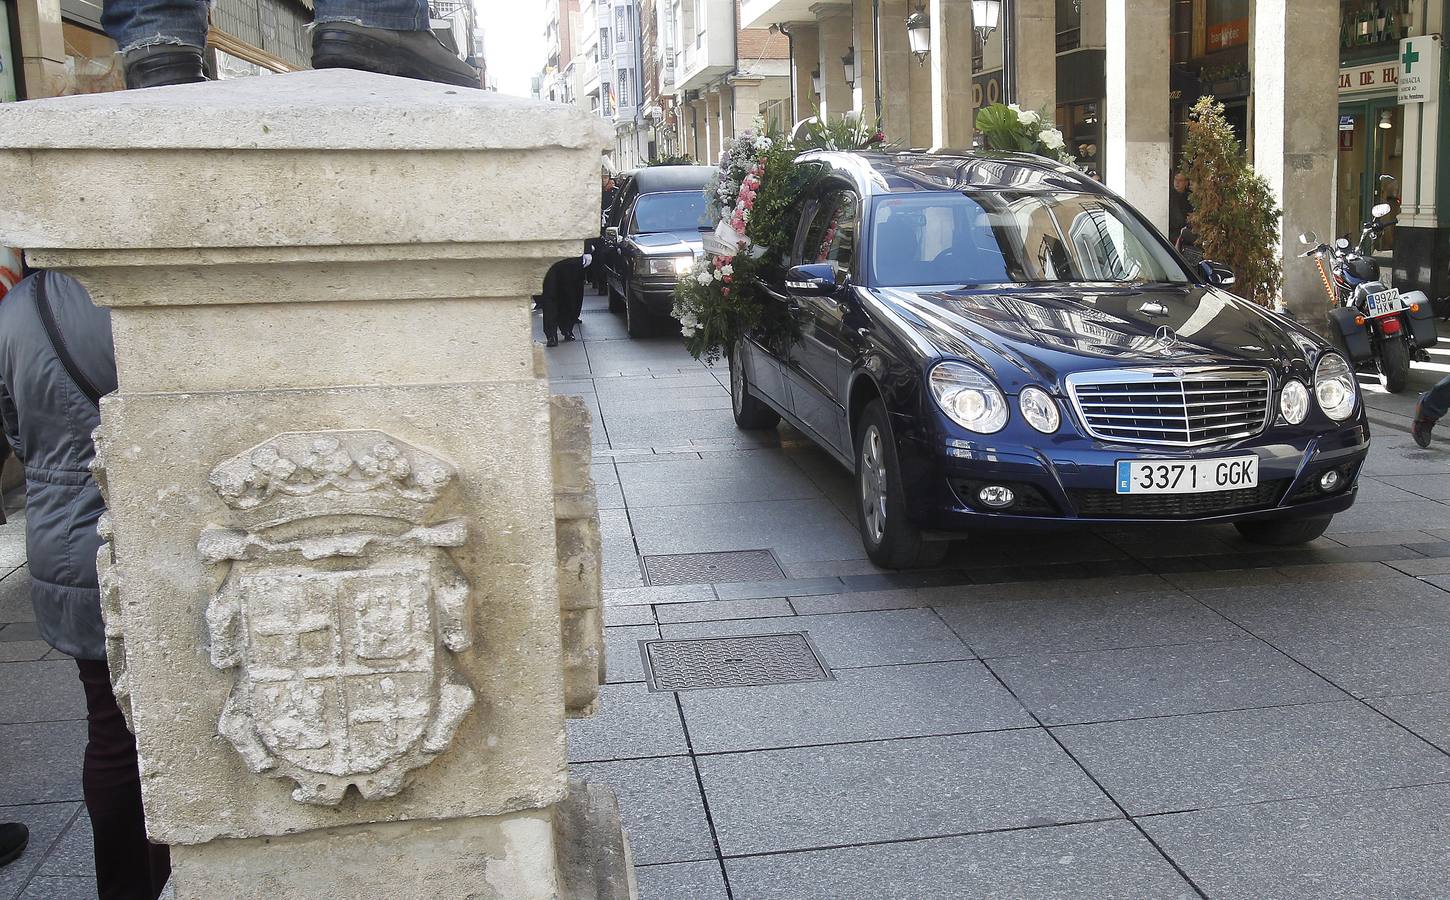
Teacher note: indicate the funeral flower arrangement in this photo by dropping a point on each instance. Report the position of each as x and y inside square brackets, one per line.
[722, 300]
[1010, 127]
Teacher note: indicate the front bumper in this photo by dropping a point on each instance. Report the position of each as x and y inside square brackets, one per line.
[1073, 481]
[655, 293]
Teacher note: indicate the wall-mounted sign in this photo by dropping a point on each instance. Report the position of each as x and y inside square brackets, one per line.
[1228, 34]
[987, 89]
[1420, 69]
[1375, 77]
[1346, 123]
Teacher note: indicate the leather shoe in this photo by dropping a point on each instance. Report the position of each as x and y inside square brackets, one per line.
[1423, 431]
[13, 838]
[157, 65]
[551, 342]
[411, 54]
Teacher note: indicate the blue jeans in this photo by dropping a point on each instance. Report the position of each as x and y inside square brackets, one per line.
[1435, 402]
[139, 23]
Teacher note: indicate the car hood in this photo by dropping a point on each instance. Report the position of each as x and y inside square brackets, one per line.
[1078, 327]
[669, 243]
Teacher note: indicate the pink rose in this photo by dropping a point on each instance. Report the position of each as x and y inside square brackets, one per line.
[724, 292]
[727, 278]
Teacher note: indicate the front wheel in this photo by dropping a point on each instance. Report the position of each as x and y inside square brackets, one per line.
[750, 413]
[638, 322]
[1284, 532]
[892, 542]
[1395, 365]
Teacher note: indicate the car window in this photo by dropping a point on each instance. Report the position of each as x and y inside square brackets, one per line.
[669, 211]
[832, 234]
[1014, 237]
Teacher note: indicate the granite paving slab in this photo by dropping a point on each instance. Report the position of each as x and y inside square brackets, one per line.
[1050, 623]
[69, 888]
[1371, 516]
[1298, 610]
[20, 631]
[628, 615]
[844, 794]
[795, 529]
[665, 593]
[1386, 489]
[851, 640]
[22, 651]
[860, 705]
[1432, 486]
[621, 561]
[1378, 663]
[47, 822]
[15, 596]
[659, 802]
[1427, 715]
[864, 601]
[710, 611]
[1071, 688]
[682, 881]
[630, 723]
[622, 660]
[46, 691]
[1028, 589]
[1373, 844]
[699, 481]
[1096, 861]
[73, 855]
[1249, 756]
[42, 761]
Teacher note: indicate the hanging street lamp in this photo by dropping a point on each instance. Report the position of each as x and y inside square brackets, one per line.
[816, 81]
[985, 16]
[918, 33]
[848, 65]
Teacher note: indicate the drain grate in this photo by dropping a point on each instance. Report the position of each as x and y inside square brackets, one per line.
[713, 568]
[748, 661]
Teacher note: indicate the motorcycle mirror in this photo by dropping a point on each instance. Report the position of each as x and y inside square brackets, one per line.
[1380, 210]
[1308, 238]
[1342, 243]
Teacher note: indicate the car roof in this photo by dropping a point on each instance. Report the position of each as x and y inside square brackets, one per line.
[672, 178]
[915, 171]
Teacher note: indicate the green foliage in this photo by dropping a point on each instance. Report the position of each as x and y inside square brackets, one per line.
[1234, 214]
[1009, 128]
[841, 133]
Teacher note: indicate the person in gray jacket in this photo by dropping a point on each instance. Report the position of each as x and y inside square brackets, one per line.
[56, 361]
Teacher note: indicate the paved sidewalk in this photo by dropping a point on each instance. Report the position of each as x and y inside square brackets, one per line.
[1151, 713]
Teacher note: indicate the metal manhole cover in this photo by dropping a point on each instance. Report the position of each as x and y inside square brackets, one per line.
[751, 660]
[713, 568]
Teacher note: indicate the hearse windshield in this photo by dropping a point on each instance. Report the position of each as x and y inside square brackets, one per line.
[670, 211]
[1001, 237]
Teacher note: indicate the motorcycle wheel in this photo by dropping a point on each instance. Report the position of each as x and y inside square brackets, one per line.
[1395, 365]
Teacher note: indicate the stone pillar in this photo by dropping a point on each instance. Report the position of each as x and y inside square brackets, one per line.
[863, 42]
[896, 63]
[951, 75]
[745, 103]
[352, 581]
[42, 48]
[727, 114]
[698, 140]
[806, 57]
[1295, 131]
[712, 127]
[834, 24]
[1034, 31]
[1139, 147]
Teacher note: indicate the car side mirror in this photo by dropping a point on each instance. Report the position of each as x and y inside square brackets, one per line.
[817, 278]
[611, 233]
[1309, 239]
[1217, 274]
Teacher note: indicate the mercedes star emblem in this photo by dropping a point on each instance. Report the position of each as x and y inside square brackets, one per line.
[1166, 336]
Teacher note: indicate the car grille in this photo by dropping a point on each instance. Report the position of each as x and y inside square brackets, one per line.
[1175, 408]
[1110, 504]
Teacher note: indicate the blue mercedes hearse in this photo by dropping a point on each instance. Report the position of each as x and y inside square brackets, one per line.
[995, 341]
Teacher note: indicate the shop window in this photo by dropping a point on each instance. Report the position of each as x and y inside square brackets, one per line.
[1371, 28]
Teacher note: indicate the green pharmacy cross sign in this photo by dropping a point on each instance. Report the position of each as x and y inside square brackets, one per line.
[1419, 77]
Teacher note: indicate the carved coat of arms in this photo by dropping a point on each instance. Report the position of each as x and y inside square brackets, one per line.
[339, 612]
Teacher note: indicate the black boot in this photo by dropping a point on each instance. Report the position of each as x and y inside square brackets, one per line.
[411, 54]
[161, 64]
[13, 838]
[1422, 431]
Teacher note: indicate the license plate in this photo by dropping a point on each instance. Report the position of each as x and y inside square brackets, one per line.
[1187, 476]
[1385, 302]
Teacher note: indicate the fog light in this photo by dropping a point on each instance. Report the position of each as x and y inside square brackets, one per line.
[1329, 480]
[996, 496]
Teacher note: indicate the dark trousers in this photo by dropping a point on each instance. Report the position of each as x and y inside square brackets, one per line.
[1435, 402]
[563, 297]
[128, 866]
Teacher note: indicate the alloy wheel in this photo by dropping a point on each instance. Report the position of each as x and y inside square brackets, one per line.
[737, 382]
[873, 484]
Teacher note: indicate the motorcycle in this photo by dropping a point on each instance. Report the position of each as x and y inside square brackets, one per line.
[1373, 321]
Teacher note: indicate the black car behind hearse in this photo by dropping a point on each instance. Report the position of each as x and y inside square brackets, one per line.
[651, 238]
[994, 341]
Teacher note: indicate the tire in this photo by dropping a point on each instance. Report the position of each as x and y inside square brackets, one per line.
[1395, 365]
[751, 414]
[638, 321]
[616, 302]
[1284, 532]
[891, 541]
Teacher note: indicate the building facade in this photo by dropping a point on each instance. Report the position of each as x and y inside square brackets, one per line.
[726, 76]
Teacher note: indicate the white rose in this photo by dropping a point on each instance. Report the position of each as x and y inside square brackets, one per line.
[704, 278]
[727, 269]
[1028, 117]
[1052, 139]
[1016, 109]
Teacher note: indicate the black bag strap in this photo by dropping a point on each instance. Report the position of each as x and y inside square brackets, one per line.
[57, 341]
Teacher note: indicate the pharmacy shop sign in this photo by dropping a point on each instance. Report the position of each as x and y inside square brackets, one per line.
[1420, 69]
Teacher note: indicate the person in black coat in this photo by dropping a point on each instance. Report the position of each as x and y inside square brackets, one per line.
[563, 298]
[56, 361]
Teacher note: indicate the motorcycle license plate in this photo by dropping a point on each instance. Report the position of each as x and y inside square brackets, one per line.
[1187, 476]
[1385, 302]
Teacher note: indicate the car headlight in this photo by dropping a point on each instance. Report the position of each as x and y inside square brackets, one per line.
[1294, 401]
[1335, 387]
[968, 397]
[1039, 409]
[664, 265]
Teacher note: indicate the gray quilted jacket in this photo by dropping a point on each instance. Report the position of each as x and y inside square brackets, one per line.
[48, 421]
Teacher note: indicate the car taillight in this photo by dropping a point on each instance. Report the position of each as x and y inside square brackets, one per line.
[1390, 325]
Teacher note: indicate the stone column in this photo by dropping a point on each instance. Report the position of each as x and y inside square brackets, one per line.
[727, 114]
[834, 24]
[1295, 136]
[352, 581]
[863, 41]
[1139, 148]
[951, 75]
[712, 126]
[745, 104]
[807, 56]
[896, 63]
[42, 47]
[1034, 31]
[699, 126]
